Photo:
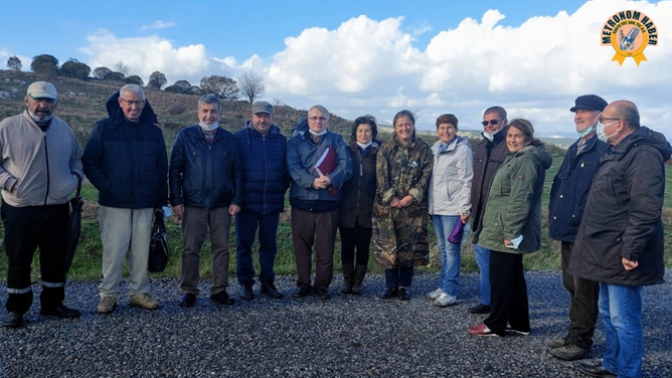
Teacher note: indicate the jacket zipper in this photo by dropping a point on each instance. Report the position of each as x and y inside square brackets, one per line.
[208, 177]
[46, 158]
[263, 198]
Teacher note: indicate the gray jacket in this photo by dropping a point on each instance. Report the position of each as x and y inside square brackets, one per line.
[450, 185]
[42, 164]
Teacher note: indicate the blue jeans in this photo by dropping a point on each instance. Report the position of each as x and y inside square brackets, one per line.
[246, 228]
[449, 252]
[621, 309]
[483, 260]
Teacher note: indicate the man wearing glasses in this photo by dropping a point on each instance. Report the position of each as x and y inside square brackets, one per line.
[489, 155]
[568, 196]
[126, 160]
[318, 164]
[620, 240]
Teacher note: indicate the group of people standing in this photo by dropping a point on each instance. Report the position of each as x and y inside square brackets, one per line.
[605, 208]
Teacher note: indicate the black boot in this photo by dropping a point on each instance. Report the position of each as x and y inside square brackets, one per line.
[348, 271]
[360, 272]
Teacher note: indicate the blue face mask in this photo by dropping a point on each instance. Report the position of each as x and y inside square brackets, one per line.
[599, 130]
[586, 131]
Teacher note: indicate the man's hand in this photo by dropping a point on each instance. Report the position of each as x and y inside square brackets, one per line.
[325, 180]
[629, 265]
[178, 210]
[317, 184]
[234, 209]
[394, 202]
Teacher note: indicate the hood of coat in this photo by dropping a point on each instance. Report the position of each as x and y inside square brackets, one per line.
[645, 136]
[539, 152]
[451, 146]
[115, 112]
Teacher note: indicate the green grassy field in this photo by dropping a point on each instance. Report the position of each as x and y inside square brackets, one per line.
[87, 262]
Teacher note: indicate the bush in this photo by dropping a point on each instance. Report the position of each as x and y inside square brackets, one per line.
[177, 108]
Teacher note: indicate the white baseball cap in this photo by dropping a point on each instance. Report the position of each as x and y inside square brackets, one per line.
[42, 89]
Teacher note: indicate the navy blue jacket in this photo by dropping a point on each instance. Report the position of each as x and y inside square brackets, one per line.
[265, 177]
[570, 189]
[127, 161]
[203, 175]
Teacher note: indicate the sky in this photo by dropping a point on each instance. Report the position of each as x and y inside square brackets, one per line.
[369, 57]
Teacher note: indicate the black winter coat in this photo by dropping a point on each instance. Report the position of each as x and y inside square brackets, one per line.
[488, 157]
[203, 175]
[265, 176]
[127, 161]
[622, 218]
[359, 192]
[570, 189]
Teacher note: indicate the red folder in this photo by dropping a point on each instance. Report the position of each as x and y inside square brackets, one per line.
[325, 165]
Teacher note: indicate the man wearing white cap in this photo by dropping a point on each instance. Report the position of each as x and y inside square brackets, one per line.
[41, 166]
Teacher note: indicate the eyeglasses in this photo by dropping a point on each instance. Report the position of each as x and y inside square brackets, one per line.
[315, 119]
[492, 122]
[136, 103]
[602, 119]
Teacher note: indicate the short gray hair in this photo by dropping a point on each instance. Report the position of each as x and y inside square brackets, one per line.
[210, 99]
[321, 108]
[132, 88]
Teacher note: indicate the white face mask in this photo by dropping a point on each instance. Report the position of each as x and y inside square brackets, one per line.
[586, 131]
[600, 132]
[205, 127]
[364, 145]
[320, 133]
[489, 136]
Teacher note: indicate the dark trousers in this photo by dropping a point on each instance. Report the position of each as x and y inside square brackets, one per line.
[27, 228]
[509, 293]
[583, 308]
[355, 238]
[399, 276]
[319, 229]
[247, 223]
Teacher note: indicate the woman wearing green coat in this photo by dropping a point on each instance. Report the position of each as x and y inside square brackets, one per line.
[512, 227]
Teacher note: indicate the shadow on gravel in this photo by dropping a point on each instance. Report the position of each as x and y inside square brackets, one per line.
[346, 336]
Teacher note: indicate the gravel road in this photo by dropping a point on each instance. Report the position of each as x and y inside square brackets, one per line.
[347, 336]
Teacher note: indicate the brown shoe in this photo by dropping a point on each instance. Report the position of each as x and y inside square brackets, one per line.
[106, 305]
[144, 301]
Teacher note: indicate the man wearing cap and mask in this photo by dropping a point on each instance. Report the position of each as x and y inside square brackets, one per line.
[41, 167]
[206, 189]
[568, 197]
[488, 156]
[262, 150]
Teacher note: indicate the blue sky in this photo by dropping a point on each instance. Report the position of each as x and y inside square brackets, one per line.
[376, 57]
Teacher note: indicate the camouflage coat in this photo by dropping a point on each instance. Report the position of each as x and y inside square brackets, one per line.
[400, 235]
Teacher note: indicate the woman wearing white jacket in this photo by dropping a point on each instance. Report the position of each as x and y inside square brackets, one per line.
[449, 202]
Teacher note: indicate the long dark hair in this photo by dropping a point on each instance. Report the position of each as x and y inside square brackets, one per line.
[365, 120]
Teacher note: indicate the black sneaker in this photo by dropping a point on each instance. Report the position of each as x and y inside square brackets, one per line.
[480, 309]
[188, 300]
[569, 352]
[12, 320]
[389, 293]
[403, 294]
[322, 293]
[61, 311]
[222, 298]
[271, 291]
[300, 292]
[246, 292]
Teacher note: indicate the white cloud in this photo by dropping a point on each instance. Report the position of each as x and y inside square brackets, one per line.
[159, 24]
[144, 55]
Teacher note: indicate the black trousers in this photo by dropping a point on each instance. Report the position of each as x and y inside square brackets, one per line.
[508, 293]
[355, 238]
[26, 229]
[583, 297]
[399, 276]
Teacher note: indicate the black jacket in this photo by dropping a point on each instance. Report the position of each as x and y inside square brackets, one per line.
[622, 218]
[488, 157]
[127, 161]
[359, 192]
[570, 189]
[203, 175]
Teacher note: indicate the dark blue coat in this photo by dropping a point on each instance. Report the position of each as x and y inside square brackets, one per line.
[265, 177]
[570, 189]
[127, 161]
[203, 175]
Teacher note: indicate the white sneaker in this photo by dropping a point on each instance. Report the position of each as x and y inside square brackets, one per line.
[434, 294]
[444, 300]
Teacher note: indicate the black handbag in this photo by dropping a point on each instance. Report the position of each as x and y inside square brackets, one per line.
[159, 251]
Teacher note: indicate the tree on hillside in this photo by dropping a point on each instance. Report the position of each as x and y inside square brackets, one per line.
[157, 80]
[185, 85]
[121, 67]
[135, 79]
[14, 63]
[180, 86]
[115, 76]
[76, 69]
[220, 86]
[45, 64]
[101, 72]
[251, 85]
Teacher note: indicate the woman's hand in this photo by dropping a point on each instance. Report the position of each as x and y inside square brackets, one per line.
[406, 201]
[394, 202]
[464, 218]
